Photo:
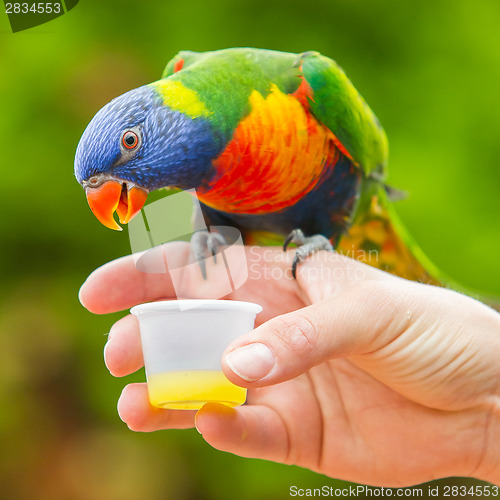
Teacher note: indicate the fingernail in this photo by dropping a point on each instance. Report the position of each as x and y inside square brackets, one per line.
[106, 345]
[104, 354]
[196, 425]
[213, 412]
[251, 362]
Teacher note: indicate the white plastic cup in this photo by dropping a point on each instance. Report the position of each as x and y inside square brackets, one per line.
[182, 344]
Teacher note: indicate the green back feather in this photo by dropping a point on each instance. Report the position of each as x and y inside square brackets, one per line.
[338, 105]
[249, 69]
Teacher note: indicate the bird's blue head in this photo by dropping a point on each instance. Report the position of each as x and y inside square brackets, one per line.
[136, 144]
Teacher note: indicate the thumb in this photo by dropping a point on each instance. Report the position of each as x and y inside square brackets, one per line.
[360, 320]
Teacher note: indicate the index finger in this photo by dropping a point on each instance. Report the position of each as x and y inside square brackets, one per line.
[127, 281]
[120, 285]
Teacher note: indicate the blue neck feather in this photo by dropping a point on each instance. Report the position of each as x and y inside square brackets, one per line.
[176, 150]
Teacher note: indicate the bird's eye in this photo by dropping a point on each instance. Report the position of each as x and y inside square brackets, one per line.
[130, 139]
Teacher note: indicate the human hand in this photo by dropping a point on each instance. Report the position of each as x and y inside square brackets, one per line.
[353, 373]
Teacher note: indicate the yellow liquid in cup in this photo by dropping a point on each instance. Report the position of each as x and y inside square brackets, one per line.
[190, 390]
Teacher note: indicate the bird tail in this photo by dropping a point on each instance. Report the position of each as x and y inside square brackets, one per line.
[378, 238]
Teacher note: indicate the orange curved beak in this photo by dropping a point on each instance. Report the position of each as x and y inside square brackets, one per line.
[116, 196]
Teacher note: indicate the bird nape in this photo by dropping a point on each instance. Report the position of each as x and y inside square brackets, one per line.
[276, 144]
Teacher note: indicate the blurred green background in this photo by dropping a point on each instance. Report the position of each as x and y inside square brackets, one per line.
[429, 70]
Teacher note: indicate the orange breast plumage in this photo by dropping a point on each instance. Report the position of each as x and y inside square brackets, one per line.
[278, 153]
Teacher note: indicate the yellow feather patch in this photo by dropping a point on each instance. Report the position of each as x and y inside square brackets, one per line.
[179, 98]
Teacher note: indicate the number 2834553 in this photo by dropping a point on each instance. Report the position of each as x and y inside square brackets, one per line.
[33, 8]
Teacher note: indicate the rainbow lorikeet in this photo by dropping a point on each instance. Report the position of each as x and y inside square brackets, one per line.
[276, 144]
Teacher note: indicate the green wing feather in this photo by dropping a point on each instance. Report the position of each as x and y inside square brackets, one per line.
[338, 105]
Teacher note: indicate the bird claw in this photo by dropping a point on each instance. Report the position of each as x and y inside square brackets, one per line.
[201, 241]
[307, 245]
[296, 236]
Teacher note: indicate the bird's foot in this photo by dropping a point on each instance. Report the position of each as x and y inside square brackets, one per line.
[203, 242]
[307, 245]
